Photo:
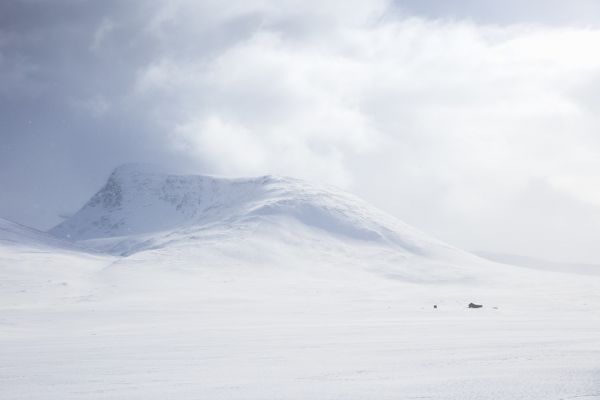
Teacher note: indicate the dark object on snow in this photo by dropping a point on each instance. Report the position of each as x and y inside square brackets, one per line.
[435, 306]
[473, 305]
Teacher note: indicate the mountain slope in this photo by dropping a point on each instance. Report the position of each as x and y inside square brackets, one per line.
[40, 269]
[14, 234]
[544, 265]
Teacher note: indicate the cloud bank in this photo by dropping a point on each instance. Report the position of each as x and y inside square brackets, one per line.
[484, 134]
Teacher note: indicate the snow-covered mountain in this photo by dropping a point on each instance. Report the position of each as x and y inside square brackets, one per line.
[135, 202]
[269, 288]
[267, 220]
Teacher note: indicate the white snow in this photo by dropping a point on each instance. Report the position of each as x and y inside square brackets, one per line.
[535, 263]
[271, 288]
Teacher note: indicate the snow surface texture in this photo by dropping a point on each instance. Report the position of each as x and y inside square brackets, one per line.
[270, 288]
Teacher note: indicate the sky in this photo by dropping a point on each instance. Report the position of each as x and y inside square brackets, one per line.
[475, 121]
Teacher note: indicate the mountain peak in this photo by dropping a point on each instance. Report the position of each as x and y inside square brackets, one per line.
[131, 169]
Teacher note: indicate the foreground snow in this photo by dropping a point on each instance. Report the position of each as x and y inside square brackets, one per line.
[274, 305]
[245, 333]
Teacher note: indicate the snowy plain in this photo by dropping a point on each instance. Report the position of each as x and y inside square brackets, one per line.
[181, 287]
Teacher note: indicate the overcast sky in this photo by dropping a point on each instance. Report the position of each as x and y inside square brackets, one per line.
[476, 121]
